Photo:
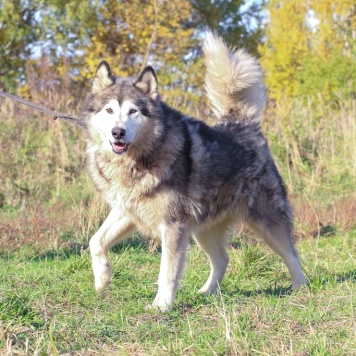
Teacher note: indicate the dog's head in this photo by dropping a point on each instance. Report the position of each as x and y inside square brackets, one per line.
[123, 113]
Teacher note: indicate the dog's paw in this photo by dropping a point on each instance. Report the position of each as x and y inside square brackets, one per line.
[161, 303]
[162, 308]
[298, 283]
[300, 288]
[207, 289]
[103, 276]
[102, 283]
[204, 292]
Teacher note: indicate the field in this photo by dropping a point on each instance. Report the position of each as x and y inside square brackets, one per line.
[49, 209]
[49, 305]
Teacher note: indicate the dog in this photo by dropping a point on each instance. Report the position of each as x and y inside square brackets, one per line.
[172, 177]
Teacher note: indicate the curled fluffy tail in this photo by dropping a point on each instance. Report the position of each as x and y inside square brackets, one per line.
[233, 80]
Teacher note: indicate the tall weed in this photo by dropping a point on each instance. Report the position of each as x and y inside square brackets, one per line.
[42, 165]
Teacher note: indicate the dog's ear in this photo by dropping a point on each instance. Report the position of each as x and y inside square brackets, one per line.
[103, 77]
[147, 82]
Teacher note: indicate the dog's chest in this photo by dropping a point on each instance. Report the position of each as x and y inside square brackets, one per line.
[125, 187]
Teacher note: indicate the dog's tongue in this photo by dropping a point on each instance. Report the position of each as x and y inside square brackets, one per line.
[119, 147]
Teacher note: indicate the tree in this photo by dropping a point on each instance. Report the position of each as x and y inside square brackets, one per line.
[237, 21]
[131, 34]
[17, 34]
[330, 65]
[285, 47]
[310, 48]
[64, 40]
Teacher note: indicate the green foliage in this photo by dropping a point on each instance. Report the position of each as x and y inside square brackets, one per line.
[329, 77]
[237, 21]
[284, 48]
[17, 33]
[143, 30]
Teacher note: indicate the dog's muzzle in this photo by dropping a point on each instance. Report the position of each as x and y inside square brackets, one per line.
[118, 133]
[118, 145]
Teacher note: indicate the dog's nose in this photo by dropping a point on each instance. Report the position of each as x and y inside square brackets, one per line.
[118, 133]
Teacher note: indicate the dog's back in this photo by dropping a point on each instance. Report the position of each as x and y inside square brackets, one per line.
[231, 162]
[171, 176]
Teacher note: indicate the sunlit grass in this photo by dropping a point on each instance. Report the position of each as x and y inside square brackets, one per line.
[48, 302]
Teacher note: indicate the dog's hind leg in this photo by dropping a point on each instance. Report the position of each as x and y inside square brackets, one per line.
[113, 230]
[212, 241]
[278, 235]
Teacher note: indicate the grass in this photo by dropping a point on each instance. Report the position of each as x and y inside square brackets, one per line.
[48, 304]
[49, 210]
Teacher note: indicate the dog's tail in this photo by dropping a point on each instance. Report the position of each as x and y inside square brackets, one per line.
[233, 81]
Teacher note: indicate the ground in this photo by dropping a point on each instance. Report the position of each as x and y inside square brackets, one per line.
[49, 306]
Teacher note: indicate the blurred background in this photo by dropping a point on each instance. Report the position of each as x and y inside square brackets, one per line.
[49, 51]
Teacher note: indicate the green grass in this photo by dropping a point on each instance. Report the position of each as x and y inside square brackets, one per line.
[48, 304]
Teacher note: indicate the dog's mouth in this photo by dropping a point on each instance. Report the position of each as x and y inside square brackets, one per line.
[119, 147]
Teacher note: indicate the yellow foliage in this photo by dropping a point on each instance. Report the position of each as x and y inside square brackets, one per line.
[310, 47]
[335, 22]
[133, 32]
[285, 47]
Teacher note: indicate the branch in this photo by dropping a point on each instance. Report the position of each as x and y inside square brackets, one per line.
[153, 35]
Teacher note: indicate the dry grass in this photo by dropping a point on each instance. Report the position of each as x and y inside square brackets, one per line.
[314, 144]
[46, 194]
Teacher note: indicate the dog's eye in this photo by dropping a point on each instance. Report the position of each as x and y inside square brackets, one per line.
[132, 111]
[109, 111]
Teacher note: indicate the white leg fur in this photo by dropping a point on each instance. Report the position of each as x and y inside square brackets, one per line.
[114, 229]
[174, 246]
[212, 242]
[281, 241]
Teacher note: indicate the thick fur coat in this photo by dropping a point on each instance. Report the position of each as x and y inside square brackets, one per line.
[170, 176]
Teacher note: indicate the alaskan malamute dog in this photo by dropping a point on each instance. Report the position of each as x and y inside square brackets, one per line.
[171, 177]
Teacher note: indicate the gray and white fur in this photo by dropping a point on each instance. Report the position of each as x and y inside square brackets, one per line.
[170, 176]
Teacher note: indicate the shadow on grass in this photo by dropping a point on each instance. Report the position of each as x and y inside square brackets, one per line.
[185, 306]
[62, 253]
[320, 280]
[76, 249]
[272, 291]
[348, 276]
[234, 295]
[135, 243]
[314, 283]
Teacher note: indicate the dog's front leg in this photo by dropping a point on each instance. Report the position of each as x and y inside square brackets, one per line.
[114, 229]
[174, 247]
